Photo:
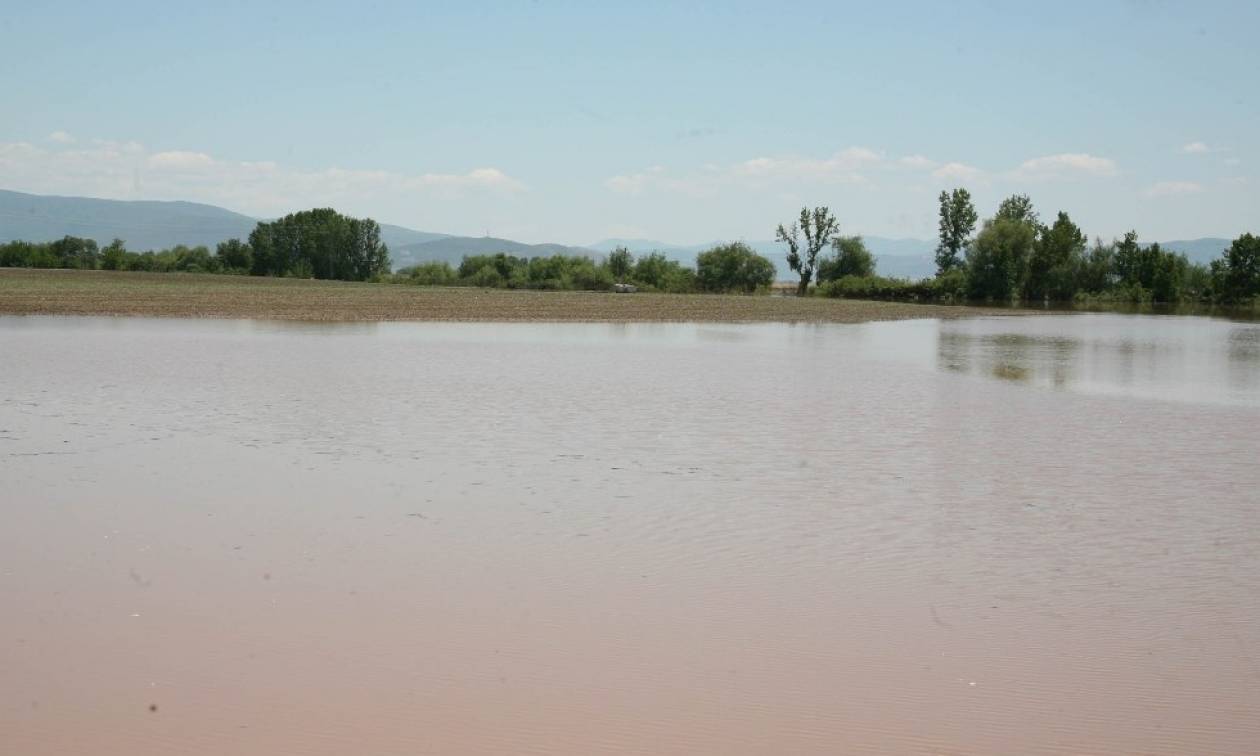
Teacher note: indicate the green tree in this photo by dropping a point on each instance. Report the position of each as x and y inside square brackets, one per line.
[1018, 207]
[820, 228]
[1053, 263]
[235, 254]
[620, 263]
[1128, 259]
[851, 258]
[195, 260]
[437, 273]
[957, 222]
[1096, 272]
[1168, 275]
[1240, 269]
[73, 252]
[657, 272]
[1196, 284]
[504, 266]
[733, 267]
[998, 257]
[20, 254]
[320, 243]
[114, 256]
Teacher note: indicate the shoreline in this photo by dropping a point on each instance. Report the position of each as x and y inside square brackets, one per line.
[26, 291]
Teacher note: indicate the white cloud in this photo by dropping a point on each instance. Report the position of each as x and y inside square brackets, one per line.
[180, 160]
[634, 183]
[477, 178]
[1195, 148]
[958, 171]
[12, 152]
[61, 137]
[756, 173]
[1231, 161]
[918, 162]
[843, 166]
[127, 170]
[1173, 189]
[1064, 165]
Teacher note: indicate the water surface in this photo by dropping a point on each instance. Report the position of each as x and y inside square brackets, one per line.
[1008, 535]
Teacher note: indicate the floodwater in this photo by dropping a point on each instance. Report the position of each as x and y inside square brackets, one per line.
[1010, 535]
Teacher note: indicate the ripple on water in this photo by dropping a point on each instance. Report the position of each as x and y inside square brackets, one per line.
[1017, 535]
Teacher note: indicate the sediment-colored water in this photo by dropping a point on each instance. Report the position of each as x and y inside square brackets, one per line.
[1019, 535]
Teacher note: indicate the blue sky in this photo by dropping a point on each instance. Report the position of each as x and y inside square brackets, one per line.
[572, 122]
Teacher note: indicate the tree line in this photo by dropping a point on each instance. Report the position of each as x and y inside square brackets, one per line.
[725, 268]
[1017, 257]
[1013, 256]
[318, 243]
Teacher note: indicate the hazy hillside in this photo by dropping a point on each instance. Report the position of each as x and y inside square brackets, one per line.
[143, 224]
[400, 236]
[1199, 250]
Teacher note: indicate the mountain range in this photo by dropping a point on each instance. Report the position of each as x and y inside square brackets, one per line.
[143, 224]
[148, 224]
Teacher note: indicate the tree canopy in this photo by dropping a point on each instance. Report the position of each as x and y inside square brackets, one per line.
[957, 222]
[851, 258]
[733, 267]
[319, 243]
[1239, 269]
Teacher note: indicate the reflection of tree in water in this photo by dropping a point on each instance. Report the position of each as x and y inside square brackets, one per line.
[1244, 357]
[1063, 364]
[1009, 356]
[953, 351]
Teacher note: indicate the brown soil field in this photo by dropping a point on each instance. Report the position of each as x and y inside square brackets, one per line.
[186, 295]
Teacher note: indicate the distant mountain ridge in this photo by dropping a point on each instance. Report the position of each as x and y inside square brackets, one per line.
[143, 224]
[1203, 250]
[152, 224]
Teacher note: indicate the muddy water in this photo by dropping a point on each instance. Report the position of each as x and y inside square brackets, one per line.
[998, 536]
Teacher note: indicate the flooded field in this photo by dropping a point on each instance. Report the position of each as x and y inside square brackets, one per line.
[1034, 535]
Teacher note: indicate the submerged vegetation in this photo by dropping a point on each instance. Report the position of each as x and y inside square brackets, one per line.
[1013, 257]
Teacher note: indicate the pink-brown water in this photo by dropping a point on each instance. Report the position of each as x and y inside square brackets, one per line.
[1000, 536]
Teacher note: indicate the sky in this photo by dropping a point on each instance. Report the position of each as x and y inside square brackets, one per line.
[680, 122]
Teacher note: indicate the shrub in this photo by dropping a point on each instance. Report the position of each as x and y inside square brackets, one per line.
[658, 273]
[878, 287]
[852, 258]
[950, 286]
[733, 267]
[487, 277]
[429, 274]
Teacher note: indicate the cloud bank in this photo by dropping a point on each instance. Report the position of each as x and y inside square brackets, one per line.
[127, 170]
